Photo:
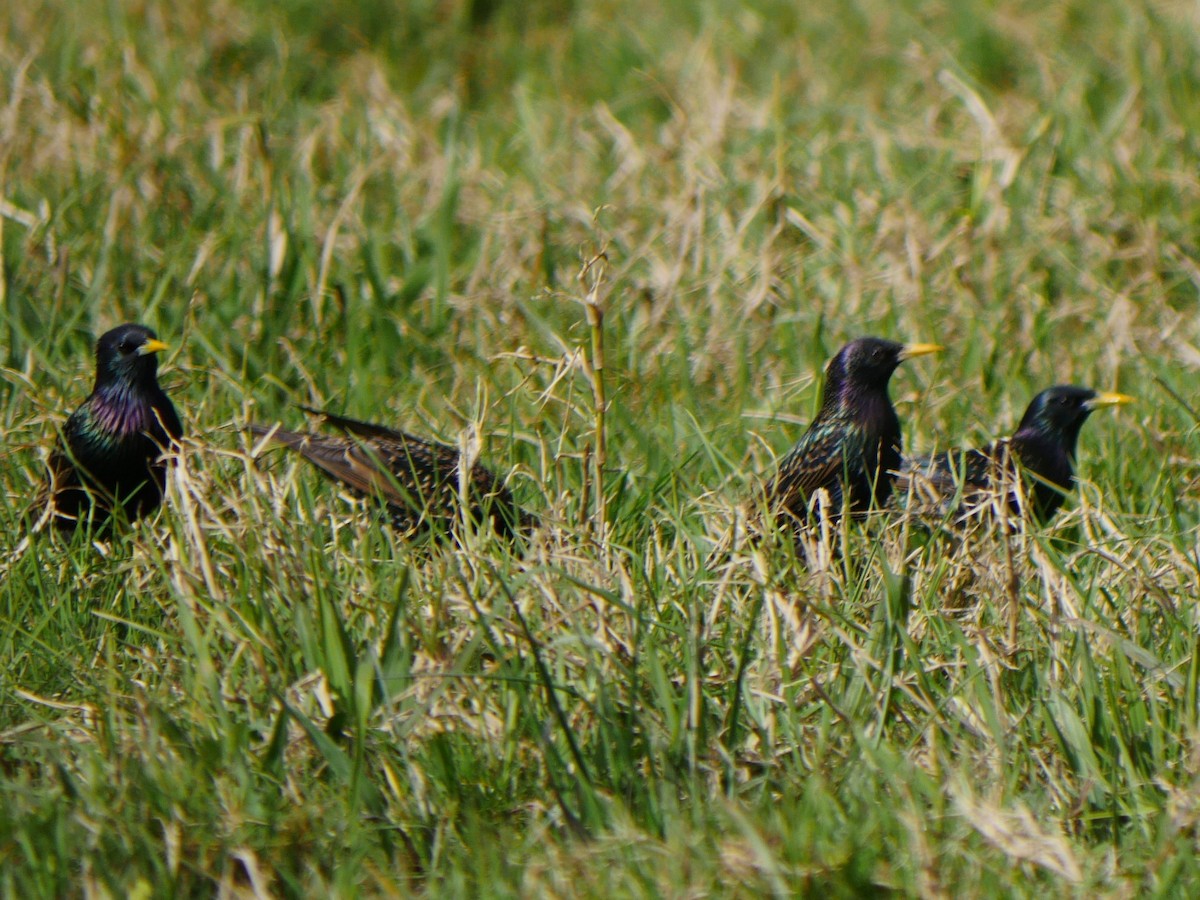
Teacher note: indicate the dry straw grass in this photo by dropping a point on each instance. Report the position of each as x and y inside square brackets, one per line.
[617, 276]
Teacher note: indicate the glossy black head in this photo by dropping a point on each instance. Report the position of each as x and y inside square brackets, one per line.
[127, 354]
[1059, 412]
[867, 364]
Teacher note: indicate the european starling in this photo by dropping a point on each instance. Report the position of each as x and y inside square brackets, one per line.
[417, 479]
[852, 447]
[1043, 446]
[111, 452]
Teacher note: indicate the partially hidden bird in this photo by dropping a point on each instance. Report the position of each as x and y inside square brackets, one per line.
[420, 481]
[852, 448]
[1042, 447]
[111, 459]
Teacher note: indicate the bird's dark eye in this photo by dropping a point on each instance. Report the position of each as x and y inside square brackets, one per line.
[127, 345]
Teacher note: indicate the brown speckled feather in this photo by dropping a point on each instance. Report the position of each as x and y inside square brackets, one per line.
[417, 479]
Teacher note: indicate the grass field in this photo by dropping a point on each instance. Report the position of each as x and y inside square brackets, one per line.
[403, 212]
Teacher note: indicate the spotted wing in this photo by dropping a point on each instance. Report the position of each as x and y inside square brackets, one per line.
[822, 458]
[418, 479]
[401, 470]
[946, 471]
[945, 480]
[400, 450]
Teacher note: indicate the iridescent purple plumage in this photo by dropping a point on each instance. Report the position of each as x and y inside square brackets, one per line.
[110, 456]
[852, 447]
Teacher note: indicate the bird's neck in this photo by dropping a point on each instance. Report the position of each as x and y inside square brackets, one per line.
[1050, 456]
[867, 405]
[123, 407]
[1052, 459]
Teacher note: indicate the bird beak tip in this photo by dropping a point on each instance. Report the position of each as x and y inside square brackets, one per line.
[912, 350]
[151, 346]
[1108, 398]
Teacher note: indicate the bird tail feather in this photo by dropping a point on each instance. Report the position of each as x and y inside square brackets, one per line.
[351, 426]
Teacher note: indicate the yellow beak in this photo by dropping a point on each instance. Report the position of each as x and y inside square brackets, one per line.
[151, 346]
[912, 350]
[1104, 398]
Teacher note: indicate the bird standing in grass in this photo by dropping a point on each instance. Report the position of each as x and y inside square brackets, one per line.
[418, 480]
[110, 457]
[852, 448]
[1043, 446]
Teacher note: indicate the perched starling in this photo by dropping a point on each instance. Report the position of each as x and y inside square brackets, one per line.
[1043, 446]
[852, 447]
[417, 479]
[111, 452]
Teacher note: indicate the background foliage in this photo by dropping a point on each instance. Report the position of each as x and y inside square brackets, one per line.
[398, 211]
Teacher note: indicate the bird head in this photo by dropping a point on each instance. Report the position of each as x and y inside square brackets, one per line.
[868, 363]
[127, 355]
[1059, 412]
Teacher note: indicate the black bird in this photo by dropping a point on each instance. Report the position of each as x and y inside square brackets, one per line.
[1043, 446]
[110, 456]
[852, 447]
[417, 479]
